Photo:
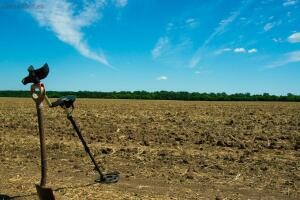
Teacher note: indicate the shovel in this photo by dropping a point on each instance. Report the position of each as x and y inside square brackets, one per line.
[38, 95]
[44, 193]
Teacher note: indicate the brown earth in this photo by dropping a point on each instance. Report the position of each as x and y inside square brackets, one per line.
[162, 149]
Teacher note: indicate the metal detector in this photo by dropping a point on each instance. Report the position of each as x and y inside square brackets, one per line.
[38, 94]
[67, 102]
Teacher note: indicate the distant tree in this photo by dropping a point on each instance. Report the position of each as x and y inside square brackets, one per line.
[161, 95]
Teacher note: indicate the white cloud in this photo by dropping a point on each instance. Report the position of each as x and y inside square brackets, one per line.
[239, 50]
[59, 16]
[287, 58]
[121, 3]
[294, 38]
[162, 78]
[252, 50]
[269, 26]
[160, 47]
[236, 50]
[289, 2]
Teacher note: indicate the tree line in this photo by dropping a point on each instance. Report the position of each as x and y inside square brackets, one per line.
[161, 95]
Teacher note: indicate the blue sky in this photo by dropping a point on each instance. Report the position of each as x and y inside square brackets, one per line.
[181, 45]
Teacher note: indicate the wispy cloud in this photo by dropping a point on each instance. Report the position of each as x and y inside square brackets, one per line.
[289, 2]
[162, 78]
[187, 24]
[294, 38]
[172, 51]
[191, 22]
[221, 28]
[220, 51]
[59, 16]
[121, 3]
[161, 46]
[277, 40]
[170, 26]
[287, 58]
[223, 24]
[271, 25]
[203, 72]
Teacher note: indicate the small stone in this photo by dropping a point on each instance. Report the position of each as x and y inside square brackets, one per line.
[220, 143]
[76, 167]
[219, 197]
[189, 176]
[297, 145]
[146, 143]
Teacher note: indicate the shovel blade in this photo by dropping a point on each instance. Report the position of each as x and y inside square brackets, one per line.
[44, 193]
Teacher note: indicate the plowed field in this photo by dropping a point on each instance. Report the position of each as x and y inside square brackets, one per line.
[162, 149]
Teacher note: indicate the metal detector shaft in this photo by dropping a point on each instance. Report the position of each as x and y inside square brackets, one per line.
[85, 145]
[39, 108]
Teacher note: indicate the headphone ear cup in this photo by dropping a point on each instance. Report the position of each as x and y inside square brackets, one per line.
[26, 80]
[42, 72]
[36, 75]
